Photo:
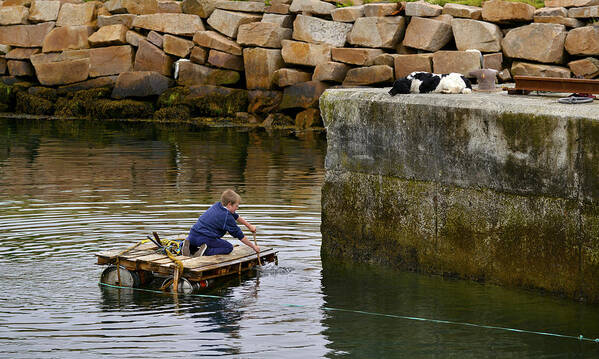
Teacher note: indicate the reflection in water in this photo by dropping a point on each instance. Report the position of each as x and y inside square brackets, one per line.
[71, 188]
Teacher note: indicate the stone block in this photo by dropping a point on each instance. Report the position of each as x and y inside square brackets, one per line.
[191, 74]
[319, 31]
[139, 84]
[587, 67]
[175, 24]
[285, 21]
[264, 101]
[228, 22]
[63, 72]
[330, 71]
[355, 56]
[348, 14]
[570, 3]
[25, 35]
[155, 39]
[225, 60]
[445, 62]
[133, 38]
[2, 66]
[260, 65]
[177, 46]
[302, 95]
[67, 38]
[583, 41]
[584, 12]
[281, 9]
[479, 35]
[109, 35]
[463, 11]
[135, 7]
[302, 53]
[379, 9]
[527, 69]
[262, 34]
[243, 6]
[493, 61]
[4, 48]
[151, 58]
[443, 18]
[504, 75]
[385, 32]
[214, 40]
[198, 55]
[20, 68]
[77, 14]
[363, 76]
[308, 118]
[112, 60]
[287, 77]
[551, 11]
[171, 7]
[97, 82]
[26, 3]
[216, 101]
[427, 34]
[536, 42]
[385, 59]
[406, 64]
[122, 19]
[13, 15]
[311, 7]
[502, 11]
[202, 8]
[44, 10]
[560, 20]
[423, 9]
[22, 53]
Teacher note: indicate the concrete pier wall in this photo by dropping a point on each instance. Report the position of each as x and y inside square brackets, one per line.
[481, 186]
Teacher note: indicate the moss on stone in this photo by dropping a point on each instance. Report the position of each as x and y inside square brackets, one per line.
[7, 94]
[80, 103]
[33, 105]
[173, 114]
[109, 109]
[218, 105]
[47, 93]
[174, 96]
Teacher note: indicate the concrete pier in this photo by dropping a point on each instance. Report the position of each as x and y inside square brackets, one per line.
[483, 186]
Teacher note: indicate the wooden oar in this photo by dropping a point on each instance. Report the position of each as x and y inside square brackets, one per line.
[257, 253]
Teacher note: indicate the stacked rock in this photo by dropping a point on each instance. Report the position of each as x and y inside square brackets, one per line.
[270, 61]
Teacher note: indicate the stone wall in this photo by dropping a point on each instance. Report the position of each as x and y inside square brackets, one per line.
[488, 187]
[266, 61]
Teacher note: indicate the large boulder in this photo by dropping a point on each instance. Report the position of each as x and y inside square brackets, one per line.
[583, 41]
[427, 34]
[303, 53]
[281, 20]
[587, 67]
[370, 75]
[139, 84]
[228, 22]
[135, 7]
[380, 9]
[60, 69]
[584, 12]
[225, 60]
[260, 65]
[13, 15]
[422, 9]
[169, 7]
[177, 46]
[243, 6]
[445, 62]
[502, 11]
[536, 42]
[67, 38]
[527, 69]
[560, 20]
[551, 11]
[355, 56]
[302, 95]
[288, 77]
[109, 35]
[479, 35]
[319, 31]
[211, 100]
[348, 14]
[191, 74]
[463, 11]
[122, 19]
[312, 7]
[44, 10]
[262, 34]
[330, 71]
[112, 60]
[77, 14]
[214, 40]
[25, 35]
[176, 24]
[406, 64]
[152, 58]
[385, 32]
[202, 8]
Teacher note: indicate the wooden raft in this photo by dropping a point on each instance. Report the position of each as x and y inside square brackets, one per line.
[145, 258]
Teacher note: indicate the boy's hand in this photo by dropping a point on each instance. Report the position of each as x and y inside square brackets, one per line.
[257, 249]
[252, 228]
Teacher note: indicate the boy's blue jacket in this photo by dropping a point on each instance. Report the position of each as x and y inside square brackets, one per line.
[214, 223]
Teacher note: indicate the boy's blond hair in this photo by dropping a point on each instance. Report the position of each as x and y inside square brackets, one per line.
[229, 196]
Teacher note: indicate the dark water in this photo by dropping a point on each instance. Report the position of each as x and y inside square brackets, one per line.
[70, 189]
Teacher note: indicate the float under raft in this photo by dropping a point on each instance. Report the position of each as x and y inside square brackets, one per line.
[147, 257]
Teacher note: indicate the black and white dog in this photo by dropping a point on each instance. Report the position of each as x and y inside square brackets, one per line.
[423, 82]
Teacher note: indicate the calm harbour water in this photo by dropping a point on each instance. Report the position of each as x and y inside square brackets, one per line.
[70, 189]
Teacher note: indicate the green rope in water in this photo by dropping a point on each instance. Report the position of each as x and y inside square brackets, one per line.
[440, 321]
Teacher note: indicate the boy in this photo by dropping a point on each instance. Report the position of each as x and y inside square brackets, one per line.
[205, 236]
